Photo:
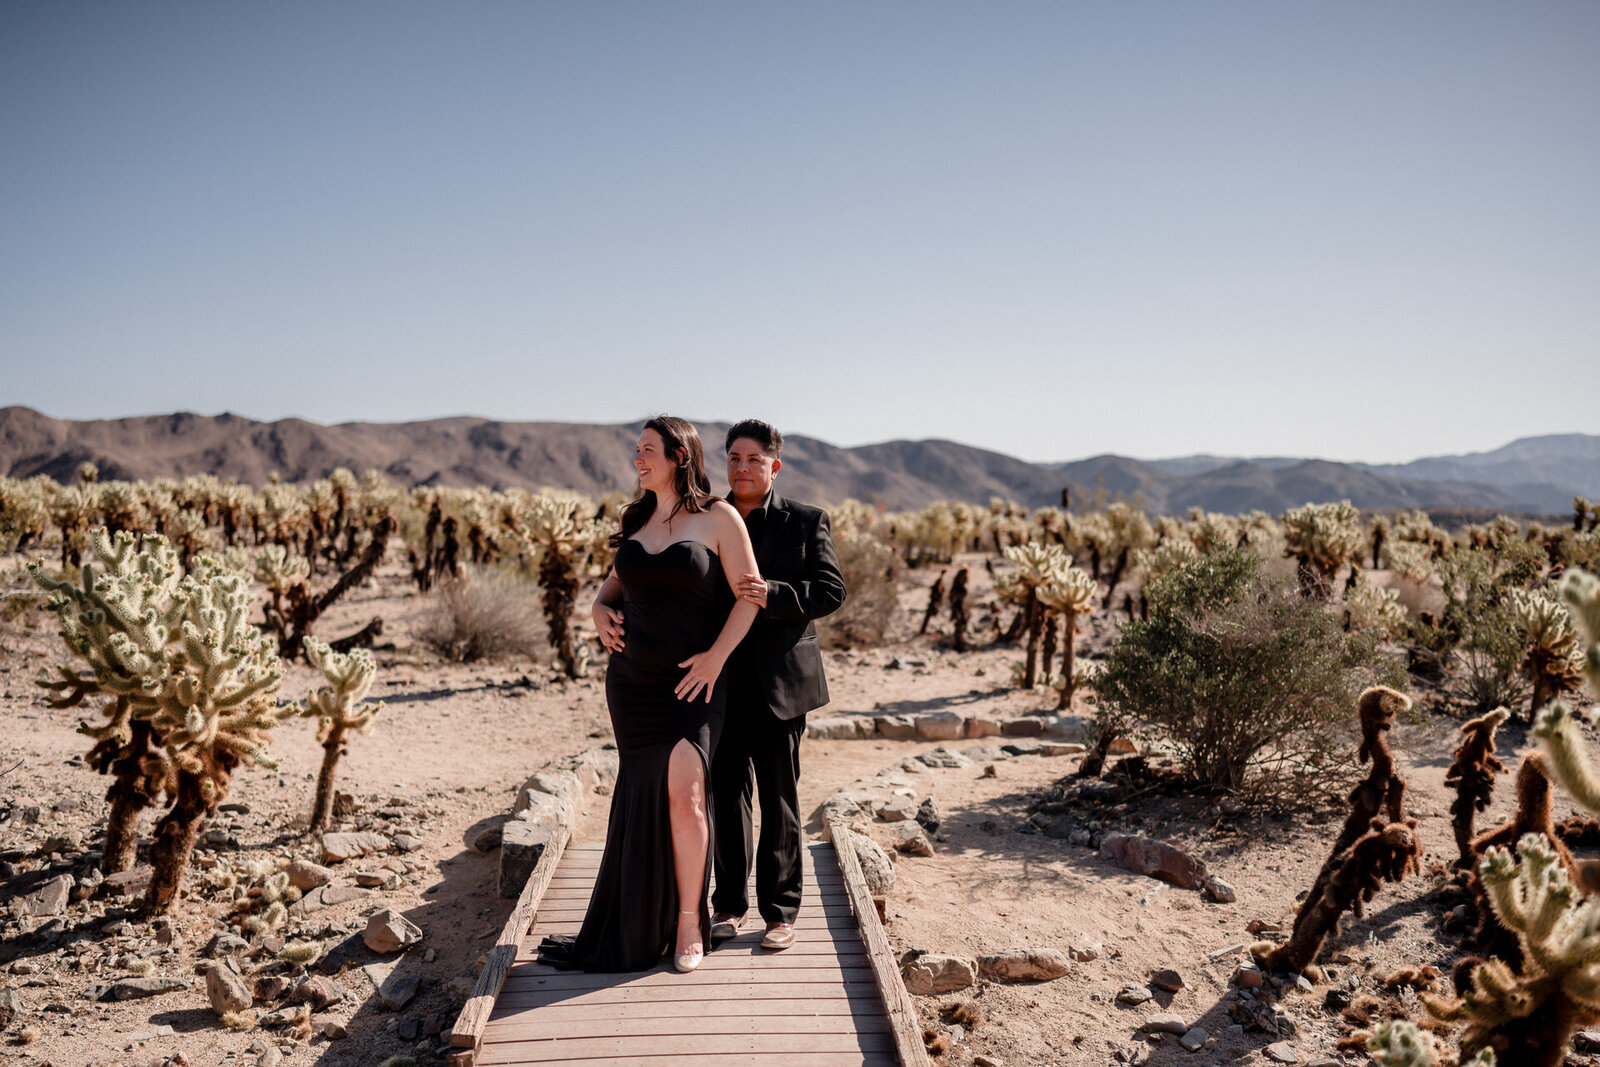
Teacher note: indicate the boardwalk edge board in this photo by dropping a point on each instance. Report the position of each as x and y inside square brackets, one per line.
[467, 1034]
[903, 1021]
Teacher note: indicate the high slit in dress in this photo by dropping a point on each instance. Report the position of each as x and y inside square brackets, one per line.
[675, 603]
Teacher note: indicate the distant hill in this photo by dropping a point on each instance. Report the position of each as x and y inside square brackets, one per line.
[1533, 475]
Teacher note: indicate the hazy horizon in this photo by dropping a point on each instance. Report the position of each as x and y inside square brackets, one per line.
[1354, 231]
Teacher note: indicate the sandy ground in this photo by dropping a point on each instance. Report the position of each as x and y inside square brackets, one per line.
[456, 741]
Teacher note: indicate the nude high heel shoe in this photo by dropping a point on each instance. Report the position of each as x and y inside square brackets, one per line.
[688, 961]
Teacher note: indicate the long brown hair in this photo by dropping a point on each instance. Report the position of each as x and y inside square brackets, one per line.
[681, 442]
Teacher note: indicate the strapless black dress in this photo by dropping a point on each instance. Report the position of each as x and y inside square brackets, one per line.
[675, 604]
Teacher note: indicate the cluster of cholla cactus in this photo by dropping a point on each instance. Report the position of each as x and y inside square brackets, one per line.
[1373, 607]
[1377, 844]
[1540, 896]
[1114, 535]
[190, 688]
[340, 710]
[295, 608]
[562, 536]
[1045, 587]
[1322, 539]
[1551, 661]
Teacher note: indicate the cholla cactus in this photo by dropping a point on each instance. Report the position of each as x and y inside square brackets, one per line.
[557, 534]
[1472, 776]
[1401, 1044]
[1069, 595]
[1155, 563]
[1410, 560]
[338, 707]
[1374, 607]
[1535, 1012]
[1037, 566]
[24, 512]
[1581, 591]
[1212, 532]
[1322, 538]
[71, 511]
[1551, 661]
[189, 680]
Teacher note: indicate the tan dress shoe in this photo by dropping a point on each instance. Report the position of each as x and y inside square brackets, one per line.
[778, 935]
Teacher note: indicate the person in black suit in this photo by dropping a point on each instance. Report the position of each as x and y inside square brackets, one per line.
[774, 677]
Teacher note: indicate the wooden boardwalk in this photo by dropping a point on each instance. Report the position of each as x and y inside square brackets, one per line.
[817, 1004]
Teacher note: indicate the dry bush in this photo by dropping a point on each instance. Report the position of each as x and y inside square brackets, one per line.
[484, 614]
[871, 570]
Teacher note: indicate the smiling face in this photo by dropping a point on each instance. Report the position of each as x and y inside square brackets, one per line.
[750, 472]
[656, 469]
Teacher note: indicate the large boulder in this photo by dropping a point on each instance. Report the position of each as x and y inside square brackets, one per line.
[388, 931]
[876, 866]
[521, 844]
[336, 848]
[226, 990]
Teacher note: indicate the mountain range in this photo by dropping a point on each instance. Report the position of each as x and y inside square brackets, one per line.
[1532, 475]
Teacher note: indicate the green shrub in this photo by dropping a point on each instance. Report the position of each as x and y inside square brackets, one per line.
[1240, 672]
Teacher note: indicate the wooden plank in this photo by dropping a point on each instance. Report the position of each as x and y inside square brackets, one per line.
[904, 1024]
[864, 991]
[705, 1045]
[627, 1024]
[467, 1033]
[557, 1013]
[506, 1055]
[742, 976]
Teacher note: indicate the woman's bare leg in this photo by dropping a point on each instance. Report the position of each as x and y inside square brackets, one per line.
[691, 837]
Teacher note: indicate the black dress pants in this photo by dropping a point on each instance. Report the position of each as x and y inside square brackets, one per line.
[758, 749]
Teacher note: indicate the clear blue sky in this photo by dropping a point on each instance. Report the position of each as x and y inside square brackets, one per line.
[1346, 229]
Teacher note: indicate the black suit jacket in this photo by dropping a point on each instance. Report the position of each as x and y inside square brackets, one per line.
[777, 667]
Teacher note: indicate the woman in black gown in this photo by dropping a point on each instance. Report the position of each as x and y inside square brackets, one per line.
[663, 615]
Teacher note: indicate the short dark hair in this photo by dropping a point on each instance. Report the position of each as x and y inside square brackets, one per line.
[762, 433]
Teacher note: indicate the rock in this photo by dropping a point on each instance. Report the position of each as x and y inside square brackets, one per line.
[1083, 950]
[1281, 1052]
[1061, 748]
[398, 989]
[52, 897]
[342, 894]
[1024, 964]
[1165, 1023]
[336, 848]
[521, 845]
[234, 807]
[1247, 977]
[909, 838]
[410, 1029]
[895, 727]
[126, 883]
[1340, 999]
[270, 1057]
[137, 988]
[147, 1034]
[1123, 746]
[306, 876]
[839, 729]
[1021, 728]
[895, 809]
[487, 839]
[1582, 1041]
[318, 991]
[940, 726]
[1157, 859]
[11, 1007]
[1167, 979]
[943, 757]
[1218, 890]
[269, 987]
[1133, 993]
[226, 944]
[1194, 1039]
[931, 974]
[876, 866]
[226, 990]
[978, 727]
[389, 931]
[405, 842]
[329, 1027]
[928, 815]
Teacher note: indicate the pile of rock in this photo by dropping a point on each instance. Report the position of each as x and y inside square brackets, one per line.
[941, 726]
[551, 797]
